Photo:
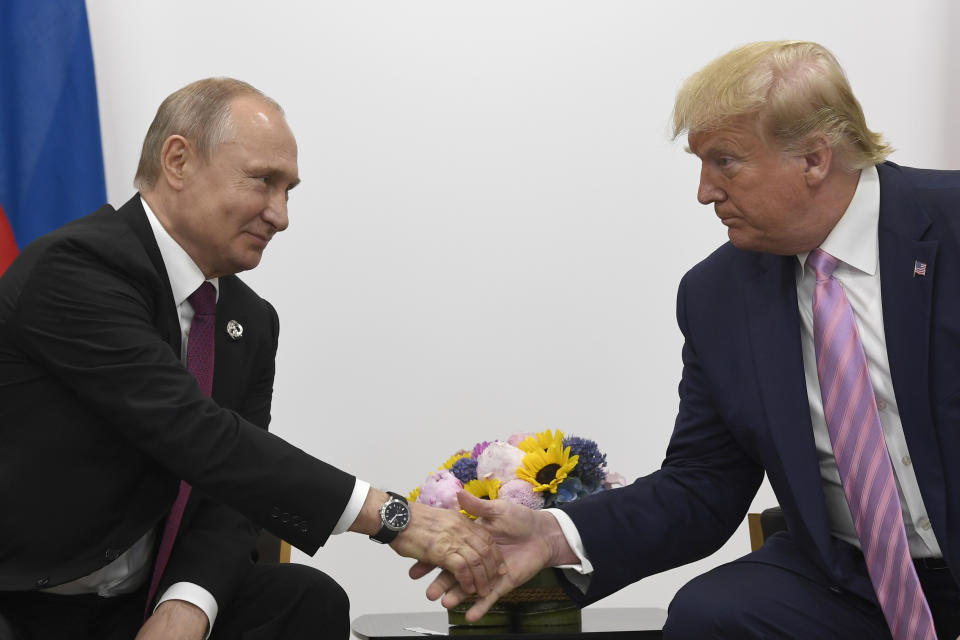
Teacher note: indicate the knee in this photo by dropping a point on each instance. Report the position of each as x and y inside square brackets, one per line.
[317, 603]
[328, 591]
[702, 609]
[323, 595]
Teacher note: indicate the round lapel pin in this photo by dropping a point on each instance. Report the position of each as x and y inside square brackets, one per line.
[234, 330]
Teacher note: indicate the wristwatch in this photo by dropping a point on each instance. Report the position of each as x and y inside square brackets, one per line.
[394, 518]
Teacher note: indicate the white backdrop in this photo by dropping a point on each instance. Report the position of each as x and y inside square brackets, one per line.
[493, 219]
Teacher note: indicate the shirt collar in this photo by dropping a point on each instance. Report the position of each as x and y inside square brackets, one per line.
[853, 240]
[185, 276]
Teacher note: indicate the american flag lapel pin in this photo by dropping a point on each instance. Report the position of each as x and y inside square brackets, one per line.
[919, 268]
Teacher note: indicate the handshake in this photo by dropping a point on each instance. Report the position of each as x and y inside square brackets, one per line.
[487, 557]
[488, 546]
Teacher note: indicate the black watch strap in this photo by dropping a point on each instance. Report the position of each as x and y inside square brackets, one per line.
[386, 534]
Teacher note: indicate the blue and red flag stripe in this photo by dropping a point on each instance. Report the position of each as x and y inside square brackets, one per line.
[51, 164]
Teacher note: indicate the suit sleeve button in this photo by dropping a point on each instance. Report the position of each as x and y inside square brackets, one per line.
[42, 582]
[111, 554]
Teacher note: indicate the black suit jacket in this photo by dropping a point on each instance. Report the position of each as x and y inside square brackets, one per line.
[99, 420]
[744, 409]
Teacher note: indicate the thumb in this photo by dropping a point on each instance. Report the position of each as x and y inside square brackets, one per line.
[476, 506]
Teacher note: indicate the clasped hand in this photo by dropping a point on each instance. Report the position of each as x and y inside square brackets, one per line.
[521, 542]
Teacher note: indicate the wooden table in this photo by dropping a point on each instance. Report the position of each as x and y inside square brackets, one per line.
[598, 623]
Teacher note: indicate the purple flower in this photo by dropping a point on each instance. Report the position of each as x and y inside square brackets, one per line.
[478, 449]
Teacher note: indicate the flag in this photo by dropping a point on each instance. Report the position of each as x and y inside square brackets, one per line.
[919, 268]
[51, 163]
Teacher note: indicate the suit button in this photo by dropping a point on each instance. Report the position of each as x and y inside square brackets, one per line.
[836, 589]
[111, 554]
[42, 582]
[275, 513]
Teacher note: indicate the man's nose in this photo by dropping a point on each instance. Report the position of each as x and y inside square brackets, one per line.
[708, 192]
[276, 212]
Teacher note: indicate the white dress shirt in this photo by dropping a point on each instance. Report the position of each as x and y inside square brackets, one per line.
[855, 243]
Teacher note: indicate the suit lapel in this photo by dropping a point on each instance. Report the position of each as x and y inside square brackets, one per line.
[907, 317]
[230, 354]
[168, 323]
[773, 323]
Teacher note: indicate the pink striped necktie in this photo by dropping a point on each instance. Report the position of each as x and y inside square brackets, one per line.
[200, 352]
[850, 409]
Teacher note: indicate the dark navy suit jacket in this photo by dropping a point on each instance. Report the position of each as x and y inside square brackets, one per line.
[744, 409]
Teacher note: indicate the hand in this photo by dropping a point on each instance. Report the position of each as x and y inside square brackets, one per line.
[529, 541]
[175, 620]
[446, 538]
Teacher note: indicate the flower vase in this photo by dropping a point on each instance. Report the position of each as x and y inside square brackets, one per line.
[539, 602]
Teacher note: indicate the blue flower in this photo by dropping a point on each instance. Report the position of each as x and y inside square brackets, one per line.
[569, 490]
[591, 465]
[465, 469]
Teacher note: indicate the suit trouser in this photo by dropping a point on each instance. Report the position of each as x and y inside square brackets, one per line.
[274, 602]
[747, 599]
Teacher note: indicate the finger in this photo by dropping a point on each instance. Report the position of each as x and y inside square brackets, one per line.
[474, 565]
[501, 586]
[489, 555]
[421, 569]
[442, 584]
[453, 597]
[475, 506]
[456, 565]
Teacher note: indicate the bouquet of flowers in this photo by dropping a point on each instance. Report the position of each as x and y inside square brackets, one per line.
[537, 470]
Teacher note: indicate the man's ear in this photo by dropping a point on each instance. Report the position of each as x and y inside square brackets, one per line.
[817, 161]
[177, 157]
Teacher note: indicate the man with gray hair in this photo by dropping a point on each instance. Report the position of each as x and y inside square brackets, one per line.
[136, 376]
[821, 347]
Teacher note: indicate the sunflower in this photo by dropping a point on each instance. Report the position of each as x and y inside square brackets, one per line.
[483, 488]
[414, 495]
[545, 469]
[541, 441]
[453, 459]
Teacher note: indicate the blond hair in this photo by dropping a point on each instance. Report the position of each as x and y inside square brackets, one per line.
[797, 90]
[200, 112]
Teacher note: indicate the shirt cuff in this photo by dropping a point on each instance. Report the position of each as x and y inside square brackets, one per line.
[195, 595]
[577, 574]
[352, 510]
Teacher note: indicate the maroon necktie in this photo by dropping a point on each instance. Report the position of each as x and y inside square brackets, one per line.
[200, 364]
[850, 409]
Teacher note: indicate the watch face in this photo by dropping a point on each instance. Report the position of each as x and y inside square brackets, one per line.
[396, 515]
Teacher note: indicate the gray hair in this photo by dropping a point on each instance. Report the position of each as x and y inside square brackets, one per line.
[200, 112]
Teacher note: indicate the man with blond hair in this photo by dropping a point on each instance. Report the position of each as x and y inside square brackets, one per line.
[136, 376]
[821, 348]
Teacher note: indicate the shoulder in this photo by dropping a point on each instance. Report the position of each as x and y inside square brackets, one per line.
[926, 196]
[726, 264]
[99, 246]
[930, 186]
[921, 179]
